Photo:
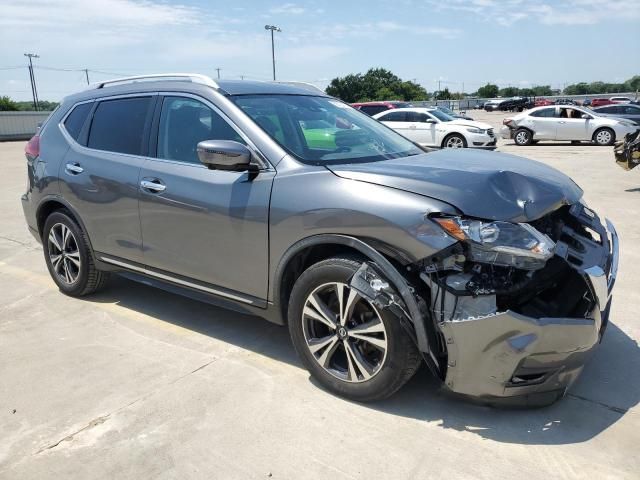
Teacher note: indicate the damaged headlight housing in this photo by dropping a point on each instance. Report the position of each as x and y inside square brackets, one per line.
[501, 243]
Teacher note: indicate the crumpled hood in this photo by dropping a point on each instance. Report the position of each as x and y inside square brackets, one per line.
[489, 185]
[470, 123]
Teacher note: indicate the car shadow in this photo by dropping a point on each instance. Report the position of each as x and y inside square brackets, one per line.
[558, 144]
[608, 388]
[636, 189]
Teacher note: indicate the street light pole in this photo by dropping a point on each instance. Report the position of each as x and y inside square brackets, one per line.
[32, 77]
[273, 28]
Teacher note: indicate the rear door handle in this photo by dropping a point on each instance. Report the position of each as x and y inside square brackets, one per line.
[74, 168]
[562, 122]
[153, 185]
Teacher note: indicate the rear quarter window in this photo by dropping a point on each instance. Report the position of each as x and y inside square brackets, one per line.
[76, 119]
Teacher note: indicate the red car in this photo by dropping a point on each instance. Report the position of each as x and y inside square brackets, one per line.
[599, 102]
[544, 102]
[371, 108]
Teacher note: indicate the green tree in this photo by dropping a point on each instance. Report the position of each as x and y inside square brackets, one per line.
[7, 105]
[633, 84]
[509, 92]
[488, 91]
[443, 94]
[375, 84]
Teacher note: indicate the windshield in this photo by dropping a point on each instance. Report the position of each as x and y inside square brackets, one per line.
[322, 130]
[440, 115]
[446, 110]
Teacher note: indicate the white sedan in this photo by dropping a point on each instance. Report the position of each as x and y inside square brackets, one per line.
[433, 128]
[565, 122]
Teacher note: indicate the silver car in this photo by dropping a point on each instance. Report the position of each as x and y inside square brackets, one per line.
[565, 122]
[280, 201]
[627, 111]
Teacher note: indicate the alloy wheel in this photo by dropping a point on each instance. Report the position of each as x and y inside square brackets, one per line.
[455, 142]
[344, 332]
[522, 137]
[603, 137]
[64, 254]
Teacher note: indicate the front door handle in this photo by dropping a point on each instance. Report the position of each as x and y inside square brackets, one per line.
[153, 185]
[562, 122]
[74, 168]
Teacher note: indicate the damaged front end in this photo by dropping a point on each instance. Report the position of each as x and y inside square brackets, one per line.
[627, 151]
[518, 308]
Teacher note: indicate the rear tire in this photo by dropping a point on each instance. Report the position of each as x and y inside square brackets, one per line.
[604, 137]
[367, 355]
[68, 256]
[523, 137]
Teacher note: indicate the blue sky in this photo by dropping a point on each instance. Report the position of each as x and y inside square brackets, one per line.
[508, 42]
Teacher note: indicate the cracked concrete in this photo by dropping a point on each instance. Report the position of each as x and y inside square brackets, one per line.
[138, 383]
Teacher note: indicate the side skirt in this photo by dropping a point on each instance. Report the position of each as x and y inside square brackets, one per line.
[190, 288]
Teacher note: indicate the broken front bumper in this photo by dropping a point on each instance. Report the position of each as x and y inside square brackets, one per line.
[527, 360]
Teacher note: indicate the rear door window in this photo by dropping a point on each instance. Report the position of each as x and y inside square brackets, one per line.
[394, 117]
[119, 125]
[76, 119]
[545, 112]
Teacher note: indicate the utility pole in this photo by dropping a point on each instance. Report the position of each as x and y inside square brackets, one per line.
[218, 70]
[241, 77]
[273, 28]
[32, 77]
[86, 74]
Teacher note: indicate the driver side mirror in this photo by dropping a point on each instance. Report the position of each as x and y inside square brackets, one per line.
[430, 120]
[585, 116]
[225, 155]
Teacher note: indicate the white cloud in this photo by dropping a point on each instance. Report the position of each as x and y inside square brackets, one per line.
[556, 12]
[288, 8]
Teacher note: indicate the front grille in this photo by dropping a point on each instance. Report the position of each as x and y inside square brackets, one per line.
[490, 132]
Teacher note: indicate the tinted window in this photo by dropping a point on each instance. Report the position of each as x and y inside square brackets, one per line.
[118, 125]
[75, 121]
[416, 117]
[545, 112]
[184, 122]
[608, 110]
[373, 109]
[631, 110]
[394, 117]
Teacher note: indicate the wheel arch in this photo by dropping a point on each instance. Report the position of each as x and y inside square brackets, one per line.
[449, 134]
[319, 247]
[51, 204]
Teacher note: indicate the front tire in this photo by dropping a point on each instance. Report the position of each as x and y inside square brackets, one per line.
[455, 140]
[604, 137]
[68, 256]
[351, 347]
[523, 137]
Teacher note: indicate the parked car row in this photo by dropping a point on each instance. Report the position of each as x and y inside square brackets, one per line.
[565, 123]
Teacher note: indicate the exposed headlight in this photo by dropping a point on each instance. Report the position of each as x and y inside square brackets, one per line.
[501, 243]
[475, 130]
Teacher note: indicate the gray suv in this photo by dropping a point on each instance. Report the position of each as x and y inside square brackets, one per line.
[277, 200]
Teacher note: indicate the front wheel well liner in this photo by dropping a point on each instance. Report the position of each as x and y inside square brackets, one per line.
[326, 245]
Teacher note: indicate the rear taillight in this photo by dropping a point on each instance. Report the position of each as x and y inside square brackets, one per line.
[507, 122]
[32, 150]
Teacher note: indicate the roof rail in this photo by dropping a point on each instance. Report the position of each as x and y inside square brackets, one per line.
[305, 85]
[192, 77]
